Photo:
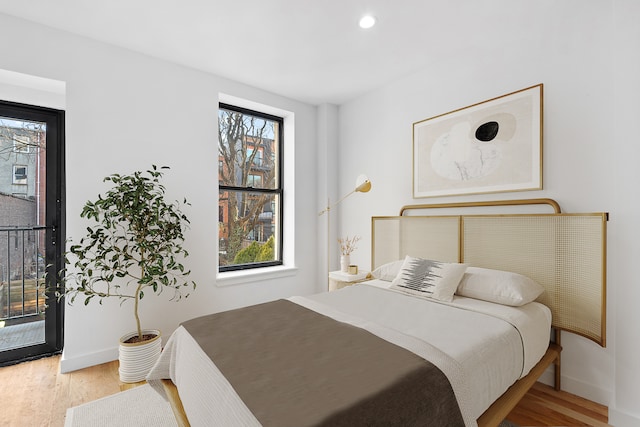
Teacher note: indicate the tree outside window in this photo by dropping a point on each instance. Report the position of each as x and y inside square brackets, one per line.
[250, 188]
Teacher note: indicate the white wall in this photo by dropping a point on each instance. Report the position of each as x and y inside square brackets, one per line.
[589, 68]
[624, 246]
[126, 111]
[327, 152]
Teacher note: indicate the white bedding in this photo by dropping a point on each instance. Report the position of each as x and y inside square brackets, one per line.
[494, 344]
[482, 347]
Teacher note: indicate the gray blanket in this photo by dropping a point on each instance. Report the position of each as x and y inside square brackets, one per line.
[294, 367]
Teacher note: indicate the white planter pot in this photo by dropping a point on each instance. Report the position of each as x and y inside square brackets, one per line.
[137, 359]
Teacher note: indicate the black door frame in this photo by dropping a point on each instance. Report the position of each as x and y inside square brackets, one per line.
[54, 224]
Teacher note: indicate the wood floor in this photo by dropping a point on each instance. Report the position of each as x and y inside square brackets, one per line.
[36, 394]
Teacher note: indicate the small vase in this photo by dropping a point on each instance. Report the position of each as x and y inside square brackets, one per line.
[345, 260]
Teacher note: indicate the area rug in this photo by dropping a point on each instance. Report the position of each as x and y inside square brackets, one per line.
[140, 406]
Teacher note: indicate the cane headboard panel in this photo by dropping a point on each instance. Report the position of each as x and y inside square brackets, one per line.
[565, 253]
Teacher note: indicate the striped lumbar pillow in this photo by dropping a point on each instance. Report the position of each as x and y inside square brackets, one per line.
[428, 278]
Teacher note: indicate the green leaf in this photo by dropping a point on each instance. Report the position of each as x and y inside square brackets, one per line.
[133, 232]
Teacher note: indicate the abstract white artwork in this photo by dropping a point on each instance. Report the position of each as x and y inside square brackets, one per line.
[492, 146]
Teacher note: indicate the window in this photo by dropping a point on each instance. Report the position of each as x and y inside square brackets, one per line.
[250, 194]
[21, 144]
[257, 158]
[19, 174]
[254, 180]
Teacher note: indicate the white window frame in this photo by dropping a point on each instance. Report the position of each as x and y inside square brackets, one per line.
[20, 181]
[20, 146]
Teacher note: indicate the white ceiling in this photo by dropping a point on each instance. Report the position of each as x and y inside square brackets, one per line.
[312, 51]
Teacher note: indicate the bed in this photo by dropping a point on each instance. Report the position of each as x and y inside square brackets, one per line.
[362, 355]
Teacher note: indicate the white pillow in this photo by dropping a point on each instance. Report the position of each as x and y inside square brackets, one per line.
[428, 278]
[502, 287]
[388, 271]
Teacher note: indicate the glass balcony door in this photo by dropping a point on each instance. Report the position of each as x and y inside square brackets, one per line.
[31, 210]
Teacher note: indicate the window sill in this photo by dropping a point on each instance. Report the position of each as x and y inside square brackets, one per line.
[229, 278]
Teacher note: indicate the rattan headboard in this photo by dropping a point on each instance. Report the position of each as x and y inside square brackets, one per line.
[565, 253]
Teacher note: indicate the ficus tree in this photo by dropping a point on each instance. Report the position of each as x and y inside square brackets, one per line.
[134, 246]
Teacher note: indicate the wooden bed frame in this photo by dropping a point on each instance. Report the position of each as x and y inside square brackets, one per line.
[499, 410]
[586, 243]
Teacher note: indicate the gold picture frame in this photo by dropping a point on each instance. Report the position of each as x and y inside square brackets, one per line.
[489, 147]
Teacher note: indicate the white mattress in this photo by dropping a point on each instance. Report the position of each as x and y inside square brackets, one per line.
[494, 344]
[482, 347]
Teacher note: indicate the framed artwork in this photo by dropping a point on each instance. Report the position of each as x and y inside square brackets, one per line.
[489, 147]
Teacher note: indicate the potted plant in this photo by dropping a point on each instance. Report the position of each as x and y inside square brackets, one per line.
[133, 249]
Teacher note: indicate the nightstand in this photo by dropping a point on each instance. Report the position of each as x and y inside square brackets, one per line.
[339, 279]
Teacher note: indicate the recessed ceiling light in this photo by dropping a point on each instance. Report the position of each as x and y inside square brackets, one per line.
[367, 21]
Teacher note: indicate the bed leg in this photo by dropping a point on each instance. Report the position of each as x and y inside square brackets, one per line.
[557, 362]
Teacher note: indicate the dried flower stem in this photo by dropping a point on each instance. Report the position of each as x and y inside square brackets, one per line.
[348, 245]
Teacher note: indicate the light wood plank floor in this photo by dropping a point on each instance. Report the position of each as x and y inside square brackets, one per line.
[37, 394]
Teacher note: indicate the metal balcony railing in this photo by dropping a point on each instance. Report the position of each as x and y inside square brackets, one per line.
[22, 269]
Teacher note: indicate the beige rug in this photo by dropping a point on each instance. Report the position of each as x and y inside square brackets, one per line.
[140, 406]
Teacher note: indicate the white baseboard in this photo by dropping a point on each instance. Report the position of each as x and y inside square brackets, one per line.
[588, 391]
[579, 388]
[548, 377]
[84, 361]
[622, 419]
